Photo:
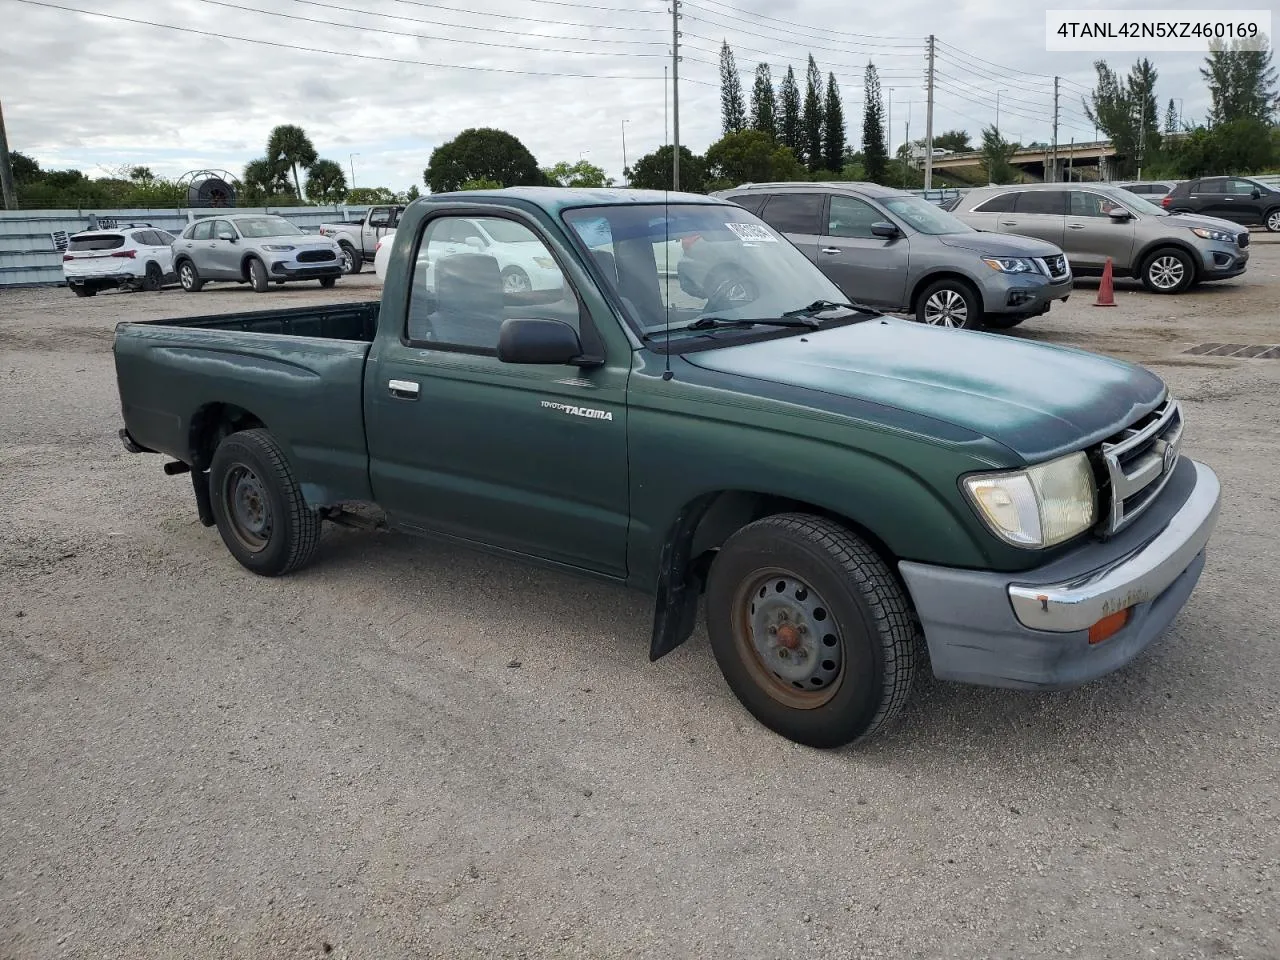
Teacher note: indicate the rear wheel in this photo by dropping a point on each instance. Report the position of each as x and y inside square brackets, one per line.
[258, 506]
[1168, 271]
[189, 277]
[328, 282]
[352, 261]
[153, 279]
[810, 629]
[949, 303]
[258, 276]
[84, 290]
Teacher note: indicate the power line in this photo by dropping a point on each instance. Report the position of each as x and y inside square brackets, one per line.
[520, 16]
[776, 55]
[340, 53]
[871, 47]
[827, 33]
[1040, 77]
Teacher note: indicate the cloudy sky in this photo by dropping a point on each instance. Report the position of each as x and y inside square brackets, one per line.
[389, 80]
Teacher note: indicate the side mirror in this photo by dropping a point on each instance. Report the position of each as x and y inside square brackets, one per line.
[475, 243]
[886, 230]
[1120, 214]
[227, 236]
[1257, 194]
[538, 341]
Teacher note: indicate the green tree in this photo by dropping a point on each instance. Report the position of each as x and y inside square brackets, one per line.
[481, 183]
[263, 180]
[362, 196]
[996, 152]
[653, 171]
[481, 153]
[1171, 117]
[141, 175]
[956, 140]
[733, 111]
[1242, 83]
[811, 120]
[875, 154]
[1126, 111]
[788, 113]
[833, 133]
[289, 147]
[1237, 146]
[410, 195]
[763, 115]
[326, 183]
[25, 169]
[749, 156]
[580, 174]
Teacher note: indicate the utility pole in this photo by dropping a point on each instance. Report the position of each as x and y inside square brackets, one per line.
[928, 123]
[998, 92]
[888, 123]
[7, 189]
[1054, 179]
[675, 94]
[625, 177]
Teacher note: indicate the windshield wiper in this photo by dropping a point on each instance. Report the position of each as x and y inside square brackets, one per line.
[822, 306]
[720, 323]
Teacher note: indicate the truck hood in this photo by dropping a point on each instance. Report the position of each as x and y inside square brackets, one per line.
[1000, 244]
[1039, 401]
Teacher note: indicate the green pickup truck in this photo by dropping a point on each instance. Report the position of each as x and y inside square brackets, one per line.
[679, 401]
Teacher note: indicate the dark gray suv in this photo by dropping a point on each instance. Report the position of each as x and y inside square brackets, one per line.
[898, 252]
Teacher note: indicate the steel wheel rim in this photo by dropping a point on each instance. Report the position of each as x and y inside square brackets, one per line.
[348, 260]
[1273, 221]
[788, 638]
[1166, 272]
[946, 308]
[248, 510]
[515, 282]
[188, 276]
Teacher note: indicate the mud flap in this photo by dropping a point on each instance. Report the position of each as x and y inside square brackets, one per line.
[679, 584]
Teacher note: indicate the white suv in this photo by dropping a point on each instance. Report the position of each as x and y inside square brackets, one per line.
[133, 256]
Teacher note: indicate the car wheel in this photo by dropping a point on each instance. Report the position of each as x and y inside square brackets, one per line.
[84, 291]
[1168, 271]
[1272, 220]
[1003, 321]
[328, 282]
[258, 506]
[258, 276]
[809, 627]
[515, 280]
[351, 260]
[153, 279]
[949, 303]
[188, 277]
[726, 286]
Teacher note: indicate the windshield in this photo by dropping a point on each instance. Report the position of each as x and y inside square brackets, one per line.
[925, 217]
[1139, 205]
[508, 231]
[675, 264]
[257, 227]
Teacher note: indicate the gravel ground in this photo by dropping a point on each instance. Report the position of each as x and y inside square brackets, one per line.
[406, 751]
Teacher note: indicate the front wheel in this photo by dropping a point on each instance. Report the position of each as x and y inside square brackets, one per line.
[189, 278]
[258, 276]
[810, 629]
[515, 280]
[328, 282]
[1272, 220]
[258, 505]
[1168, 271]
[949, 303]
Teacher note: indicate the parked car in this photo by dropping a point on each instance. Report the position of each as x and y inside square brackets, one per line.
[899, 252]
[359, 241]
[1238, 199]
[1149, 189]
[254, 248]
[1094, 222]
[382, 253]
[132, 256]
[835, 482]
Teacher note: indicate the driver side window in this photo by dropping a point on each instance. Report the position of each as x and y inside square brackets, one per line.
[852, 218]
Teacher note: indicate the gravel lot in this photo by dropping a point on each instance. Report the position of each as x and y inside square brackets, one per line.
[405, 751]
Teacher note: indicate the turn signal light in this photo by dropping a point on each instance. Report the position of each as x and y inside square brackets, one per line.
[1109, 626]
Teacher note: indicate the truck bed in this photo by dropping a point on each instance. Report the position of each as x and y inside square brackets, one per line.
[348, 321]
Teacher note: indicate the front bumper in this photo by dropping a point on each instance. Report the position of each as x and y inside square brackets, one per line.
[1023, 293]
[1222, 261]
[1031, 630]
[292, 270]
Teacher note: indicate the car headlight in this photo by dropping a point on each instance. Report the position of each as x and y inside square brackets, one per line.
[1208, 233]
[546, 263]
[1010, 264]
[276, 246]
[1039, 506]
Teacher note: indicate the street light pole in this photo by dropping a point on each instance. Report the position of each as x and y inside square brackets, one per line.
[351, 159]
[625, 177]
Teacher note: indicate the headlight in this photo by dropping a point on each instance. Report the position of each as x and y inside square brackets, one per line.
[276, 246]
[546, 263]
[1039, 506]
[1010, 264]
[1207, 233]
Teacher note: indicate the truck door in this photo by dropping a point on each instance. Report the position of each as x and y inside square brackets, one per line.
[527, 458]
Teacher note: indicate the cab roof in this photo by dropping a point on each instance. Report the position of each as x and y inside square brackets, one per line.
[555, 199]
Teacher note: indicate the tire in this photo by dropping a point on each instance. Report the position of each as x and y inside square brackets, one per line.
[189, 277]
[949, 303]
[258, 278]
[84, 291]
[515, 280]
[1168, 270]
[153, 279]
[328, 282]
[848, 630]
[258, 505]
[1271, 220]
[1003, 321]
[352, 261]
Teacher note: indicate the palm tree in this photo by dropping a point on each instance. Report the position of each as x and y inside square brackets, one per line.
[289, 147]
[326, 182]
[263, 179]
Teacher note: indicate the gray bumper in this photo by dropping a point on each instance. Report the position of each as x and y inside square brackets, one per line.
[1031, 630]
[1023, 293]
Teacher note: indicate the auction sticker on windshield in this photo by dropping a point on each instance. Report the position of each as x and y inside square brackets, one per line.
[752, 233]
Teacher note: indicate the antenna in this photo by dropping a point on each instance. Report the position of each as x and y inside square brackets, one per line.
[666, 231]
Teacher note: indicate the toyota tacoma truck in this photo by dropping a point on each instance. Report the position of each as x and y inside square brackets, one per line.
[849, 496]
[359, 241]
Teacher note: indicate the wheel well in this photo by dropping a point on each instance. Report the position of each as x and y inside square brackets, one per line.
[211, 423]
[244, 264]
[1151, 249]
[931, 278]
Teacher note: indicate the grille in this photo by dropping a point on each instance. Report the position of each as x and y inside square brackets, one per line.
[1243, 239]
[1055, 267]
[1138, 462]
[316, 256]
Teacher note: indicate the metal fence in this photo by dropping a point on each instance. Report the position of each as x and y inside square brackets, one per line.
[32, 241]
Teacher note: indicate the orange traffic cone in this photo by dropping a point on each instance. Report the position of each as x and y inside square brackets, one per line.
[1106, 289]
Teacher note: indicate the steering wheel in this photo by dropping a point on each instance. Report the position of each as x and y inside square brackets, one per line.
[729, 288]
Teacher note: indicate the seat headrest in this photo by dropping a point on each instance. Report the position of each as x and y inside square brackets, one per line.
[469, 283]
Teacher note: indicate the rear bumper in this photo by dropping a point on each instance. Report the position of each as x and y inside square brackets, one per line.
[101, 279]
[1031, 630]
[1021, 293]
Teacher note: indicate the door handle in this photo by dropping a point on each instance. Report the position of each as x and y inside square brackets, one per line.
[403, 389]
[1008, 223]
[830, 250]
[1075, 226]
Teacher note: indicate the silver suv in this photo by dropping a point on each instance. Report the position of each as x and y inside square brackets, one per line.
[900, 253]
[1093, 222]
[253, 248]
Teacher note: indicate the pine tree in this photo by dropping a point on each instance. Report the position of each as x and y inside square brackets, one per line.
[733, 112]
[832, 127]
[1241, 82]
[1171, 118]
[788, 112]
[875, 155]
[763, 117]
[811, 118]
